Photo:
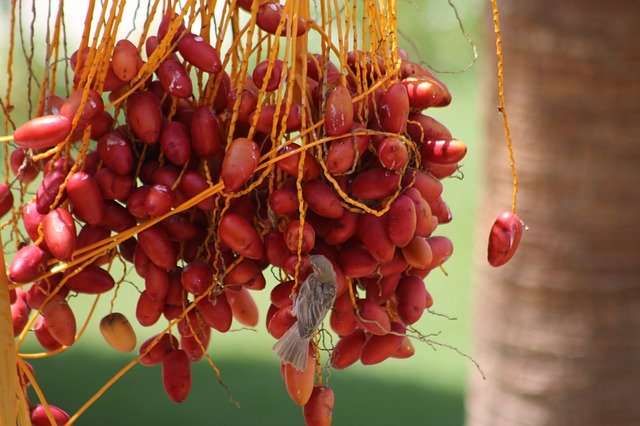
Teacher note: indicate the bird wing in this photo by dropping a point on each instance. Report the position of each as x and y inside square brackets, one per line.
[309, 306]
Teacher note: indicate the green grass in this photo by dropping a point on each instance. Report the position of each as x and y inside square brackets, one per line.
[425, 389]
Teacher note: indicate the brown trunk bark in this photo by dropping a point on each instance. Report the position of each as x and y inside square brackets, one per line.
[557, 330]
[13, 405]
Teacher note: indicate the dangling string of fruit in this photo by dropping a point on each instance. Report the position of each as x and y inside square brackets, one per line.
[267, 140]
[507, 229]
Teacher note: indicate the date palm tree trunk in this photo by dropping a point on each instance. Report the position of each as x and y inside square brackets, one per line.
[557, 330]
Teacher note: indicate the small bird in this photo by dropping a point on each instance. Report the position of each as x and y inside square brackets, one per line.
[314, 299]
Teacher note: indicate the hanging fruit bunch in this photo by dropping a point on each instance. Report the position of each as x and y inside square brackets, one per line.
[209, 151]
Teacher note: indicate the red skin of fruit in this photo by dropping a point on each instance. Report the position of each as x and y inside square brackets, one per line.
[158, 247]
[91, 280]
[39, 416]
[85, 197]
[373, 234]
[240, 161]
[318, 411]
[269, 16]
[176, 375]
[411, 296]
[260, 71]
[116, 153]
[6, 199]
[28, 263]
[144, 116]
[60, 320]
[240, 236]
[338, 112]
[504, 238]
[42, 132]
[394, 109]
[195, 50]
[19, 313]
[300, 383]
[156, 354]
[378, 348]
[322, 199]
[372, 317]
[292, 235]
[148, 311]
[347, 350]
[196, 277]
[216, 312]
[206, 138]
[243, 307]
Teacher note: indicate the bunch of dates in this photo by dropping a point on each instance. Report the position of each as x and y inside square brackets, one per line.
[368, 198]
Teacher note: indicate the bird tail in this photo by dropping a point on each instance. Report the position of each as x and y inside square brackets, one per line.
[293, 348]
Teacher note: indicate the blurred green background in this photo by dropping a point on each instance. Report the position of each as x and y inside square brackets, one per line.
[427, 389]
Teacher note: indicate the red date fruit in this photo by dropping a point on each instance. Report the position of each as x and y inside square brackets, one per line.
[283, 202]
[39, 416]
[292, 236]
[374, 184]
[85, 198]
[60, 320]
[318, 411]
[504, 238]
[260, 74]
[206, 138]
[269, 16]
[59, 232]
[443, 151]
[372, 318]
[116, 153]
[158, 247]
[418, 253]
[422, 128]
[175, 143]
[425, 92]
[126, 60]
[300, 383]
[344, 153]
[195, 50]
[153, 355]
[355, 261]
[394, 109]
[148, 311]
[112, 185]
[401, 220]
[176, 375]
[174, 78]
[243, 307]
[144, 116]
[310, 169]
[91, 280]
[196, 277]
[6, 199]
[42, 132]
[378, 348]
[393, 154]
[322, 199]
[411, 296]
[347, 350]
[48, 191]
[240, 161]
[373, 234]
[338, 112]
[28, 263]
[240, 236]
[216, 312]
